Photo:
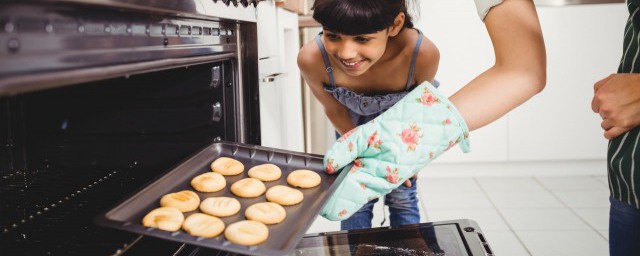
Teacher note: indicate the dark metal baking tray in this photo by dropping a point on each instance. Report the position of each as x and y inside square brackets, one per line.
[283, 237]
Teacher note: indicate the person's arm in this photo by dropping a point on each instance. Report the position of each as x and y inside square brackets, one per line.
[519, 71]
[617, 99]
[337, 113]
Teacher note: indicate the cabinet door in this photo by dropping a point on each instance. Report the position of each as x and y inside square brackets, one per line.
[267, 29]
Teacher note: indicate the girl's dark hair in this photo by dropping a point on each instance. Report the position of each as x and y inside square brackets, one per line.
[355, 17]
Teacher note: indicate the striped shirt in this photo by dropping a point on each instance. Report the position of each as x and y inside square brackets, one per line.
[622, 158]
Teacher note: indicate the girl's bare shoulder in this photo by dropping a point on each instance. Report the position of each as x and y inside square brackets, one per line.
[310, 60]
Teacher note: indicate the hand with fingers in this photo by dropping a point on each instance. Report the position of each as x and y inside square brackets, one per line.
[385, 152]
[616, 99]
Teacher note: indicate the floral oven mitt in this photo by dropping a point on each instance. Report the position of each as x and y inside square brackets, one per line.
[381, 154]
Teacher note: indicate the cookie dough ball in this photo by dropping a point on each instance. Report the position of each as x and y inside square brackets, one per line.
[248, 187]
[164, 218]
[266, 212]
[209, 182]
[200, 224]
[185, 200]
[247, 232]
[265, 172]
[220, 206]
[227, 166]
[303, 179]
[284, 195]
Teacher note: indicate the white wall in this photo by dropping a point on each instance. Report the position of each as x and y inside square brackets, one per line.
[584, 44]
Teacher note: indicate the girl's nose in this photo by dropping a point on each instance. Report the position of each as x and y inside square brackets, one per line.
[347, 51]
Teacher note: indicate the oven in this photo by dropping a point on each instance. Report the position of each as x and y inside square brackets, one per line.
[99, 97]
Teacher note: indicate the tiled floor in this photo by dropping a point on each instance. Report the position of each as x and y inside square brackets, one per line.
[534, 215]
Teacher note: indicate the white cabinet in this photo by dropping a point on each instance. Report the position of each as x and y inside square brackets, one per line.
[556, 124]
[280, 83]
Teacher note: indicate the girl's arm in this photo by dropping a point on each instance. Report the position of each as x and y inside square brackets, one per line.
[338, 114]
[519, 71]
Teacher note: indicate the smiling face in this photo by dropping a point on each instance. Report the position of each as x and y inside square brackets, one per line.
[355, 54]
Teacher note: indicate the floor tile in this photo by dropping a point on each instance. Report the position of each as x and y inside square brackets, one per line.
[584, 198]
[436, 184]
[598, 218]
[543, 219]
[505, 243]
[571, 183]
[487, 219]
[455, 200]
[604, 233]
[564, 243]
[509, 184]
[603, 179]
[522, 199]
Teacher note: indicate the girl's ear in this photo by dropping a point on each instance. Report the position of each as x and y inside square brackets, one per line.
[398, 23]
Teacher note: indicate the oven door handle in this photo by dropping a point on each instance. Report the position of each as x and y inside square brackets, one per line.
[273, 77]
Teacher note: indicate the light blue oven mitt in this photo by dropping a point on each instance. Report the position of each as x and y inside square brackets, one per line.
[381, 154]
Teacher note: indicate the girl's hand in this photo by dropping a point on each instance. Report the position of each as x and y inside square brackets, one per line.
[407, 183]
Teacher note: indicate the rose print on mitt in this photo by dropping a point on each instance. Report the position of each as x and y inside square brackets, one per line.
[392, 177]
[410, 136]
[373, 141]
[427, 98]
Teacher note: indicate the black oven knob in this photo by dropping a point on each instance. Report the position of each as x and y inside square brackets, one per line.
[254, 3]
[235, 3]
[244, 3]
[226, 2]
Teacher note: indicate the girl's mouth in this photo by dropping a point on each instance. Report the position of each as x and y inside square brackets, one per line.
[352, 64]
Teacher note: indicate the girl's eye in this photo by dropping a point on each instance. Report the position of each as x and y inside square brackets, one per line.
[332, 37]
[362, 39]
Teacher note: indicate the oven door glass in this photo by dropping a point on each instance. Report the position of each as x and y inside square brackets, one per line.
[423, 239]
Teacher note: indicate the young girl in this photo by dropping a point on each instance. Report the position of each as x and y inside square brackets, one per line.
[368, 57]
[365, 60]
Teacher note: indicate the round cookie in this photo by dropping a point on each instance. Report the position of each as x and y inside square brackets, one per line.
[265, 172]
[184, 200]
[200, 224]
[209, 182]
[248, 187]
[227, 166]
[164, 218]
[247, 232]
[284, 195]
[266, 212]
[220, 206]
[303, 179]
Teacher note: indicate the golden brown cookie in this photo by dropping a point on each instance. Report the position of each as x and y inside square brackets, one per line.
[266, 212]
[248, 187]
[284, 195]
[165, 218]
[200, 224]
[247, 232]
[185, 200]
[303, 179]
[220, 206]
[209, 182]
[265, 172]
[227, 166]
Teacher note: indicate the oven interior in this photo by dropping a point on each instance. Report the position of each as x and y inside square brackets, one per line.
[73, 152]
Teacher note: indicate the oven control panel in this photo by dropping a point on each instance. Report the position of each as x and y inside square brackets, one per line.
[37, 39]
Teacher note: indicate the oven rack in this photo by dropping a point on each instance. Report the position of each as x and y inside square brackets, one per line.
[67, 228]
[33, 192]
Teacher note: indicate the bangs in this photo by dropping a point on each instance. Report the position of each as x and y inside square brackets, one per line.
[353, 17]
